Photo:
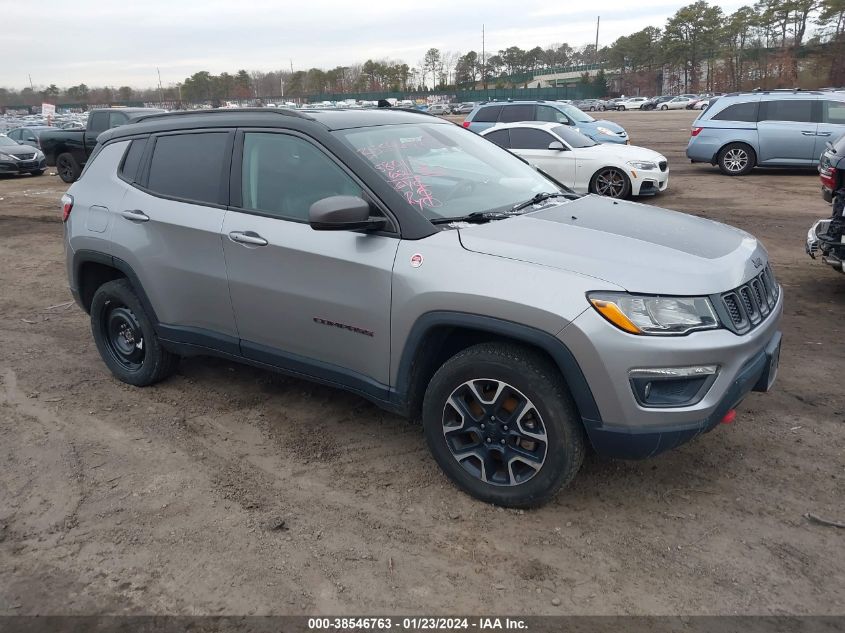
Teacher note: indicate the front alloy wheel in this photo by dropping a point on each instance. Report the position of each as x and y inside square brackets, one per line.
[612, 183]
[494, 432]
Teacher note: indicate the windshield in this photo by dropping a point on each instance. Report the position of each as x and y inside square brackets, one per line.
[573, 138]
[5, 140]
[574, 113]
[445, 171]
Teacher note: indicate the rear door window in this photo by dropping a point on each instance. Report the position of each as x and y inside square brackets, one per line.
[500, 138]
[488, 114]
[99, 122]
[834, 112]
[793, 110]
[116, 118]
[191, 167]
[514, 113]
[530, 138]
[746, 112]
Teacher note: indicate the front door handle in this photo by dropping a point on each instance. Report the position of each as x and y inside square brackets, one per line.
[136, 215]
[822, 133]
[247, 237]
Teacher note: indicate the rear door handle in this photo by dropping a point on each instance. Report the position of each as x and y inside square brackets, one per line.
[136, 215]
[247, 237]
[808, 133]
[822, 133]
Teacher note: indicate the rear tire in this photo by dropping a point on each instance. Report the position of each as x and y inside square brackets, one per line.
[500, 422]
[125, 336]
[68, 168]
[736, 159]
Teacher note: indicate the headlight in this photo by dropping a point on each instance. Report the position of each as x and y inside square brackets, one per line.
[606, 131]
[642, 164]
[7, 156]
[638, 314]
[39, 154]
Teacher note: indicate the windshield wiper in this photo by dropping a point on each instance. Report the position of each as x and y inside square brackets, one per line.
[537, 199]
[475, 216]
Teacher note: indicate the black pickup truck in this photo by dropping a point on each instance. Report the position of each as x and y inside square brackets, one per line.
[68, 150]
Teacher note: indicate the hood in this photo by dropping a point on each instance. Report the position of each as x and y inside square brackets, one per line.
[610, 125]
[18, 150]
[633, 246]
[623, 152]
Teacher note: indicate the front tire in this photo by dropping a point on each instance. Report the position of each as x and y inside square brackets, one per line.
[664, 107]
[67, 167]
[125, 337]
[611, 182]
[500, 422]
[736, 159]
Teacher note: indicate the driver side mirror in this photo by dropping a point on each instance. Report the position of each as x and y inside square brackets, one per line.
[557, 146]
[343, 213]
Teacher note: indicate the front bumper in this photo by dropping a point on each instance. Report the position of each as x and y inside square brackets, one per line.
[630, 431]
[649, 183]
[22, 167]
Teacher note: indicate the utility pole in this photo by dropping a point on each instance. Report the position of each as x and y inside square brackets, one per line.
[483, 60]
[291, 66]
[598, 21]
[160, 90]
[31, 87]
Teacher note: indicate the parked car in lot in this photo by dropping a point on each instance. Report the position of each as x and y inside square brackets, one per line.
[577, 161]
[654, 102]
[487, 115]
[631, 103]
[826, 237]
[29, 135]
[68, 150]
[675, 103]
[16, 158]
[464, 108]
[767, 129]
[588, 105]
[402, 258]
[439, 108]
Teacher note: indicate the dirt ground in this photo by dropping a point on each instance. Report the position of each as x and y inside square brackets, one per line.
[229, 490]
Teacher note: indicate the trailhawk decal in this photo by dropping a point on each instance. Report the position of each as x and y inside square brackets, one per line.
[344, 326]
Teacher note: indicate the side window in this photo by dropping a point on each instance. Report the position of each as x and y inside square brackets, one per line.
[116, 118]
[797, 110]
[99, 122]
[500, 138]
[514, 113]
[530, 138]
[132, 160]
[27, 135]
[488, 114]
[283, 175]
[834, 112]
[739, 112]
[190, 166]
[15, 135]
[547, 113]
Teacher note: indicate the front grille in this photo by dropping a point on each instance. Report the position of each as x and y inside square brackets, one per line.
[744, 308]
[25, 156]
[663, 165]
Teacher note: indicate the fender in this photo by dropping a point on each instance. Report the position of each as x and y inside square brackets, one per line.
[560, 353]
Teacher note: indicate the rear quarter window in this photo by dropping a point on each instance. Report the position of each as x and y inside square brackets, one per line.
[746, 112]
[132, 160]
[190, 167]
[834, 112]
[487, 114]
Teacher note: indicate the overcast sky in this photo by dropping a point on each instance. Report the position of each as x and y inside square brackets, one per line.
[121, 43]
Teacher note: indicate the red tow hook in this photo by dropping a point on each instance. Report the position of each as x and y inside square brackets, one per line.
[730, 416]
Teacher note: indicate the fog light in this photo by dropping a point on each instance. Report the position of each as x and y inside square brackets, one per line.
[671, 386]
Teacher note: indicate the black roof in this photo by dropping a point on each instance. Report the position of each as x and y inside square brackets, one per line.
[331, 119]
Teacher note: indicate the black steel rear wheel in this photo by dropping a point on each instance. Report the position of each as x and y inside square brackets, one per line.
[125, 336]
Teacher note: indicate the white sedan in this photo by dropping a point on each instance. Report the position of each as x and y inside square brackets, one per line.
[577, 161]
[631, 103]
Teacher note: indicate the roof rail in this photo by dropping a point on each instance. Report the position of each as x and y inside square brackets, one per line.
[282, 111]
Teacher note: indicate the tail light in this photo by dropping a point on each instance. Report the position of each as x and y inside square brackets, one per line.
[828, 177]
[695, 131]
[465, 124]
[67, 206]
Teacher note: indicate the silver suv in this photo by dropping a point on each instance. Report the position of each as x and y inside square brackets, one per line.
[776, 128]
[408, 260]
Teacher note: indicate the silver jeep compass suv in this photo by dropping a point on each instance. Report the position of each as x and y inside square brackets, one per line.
[411, 261]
